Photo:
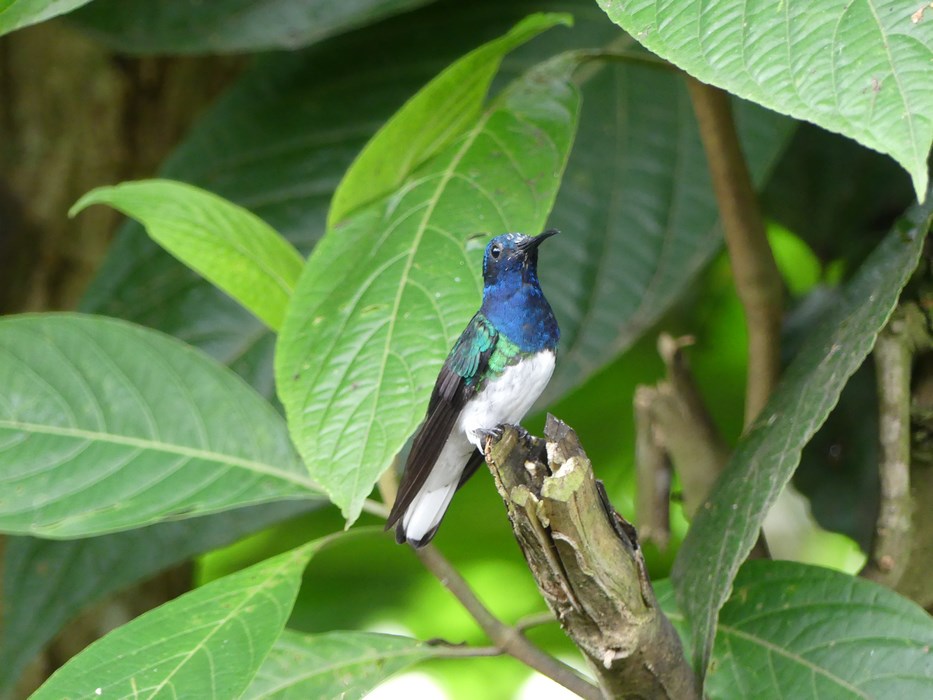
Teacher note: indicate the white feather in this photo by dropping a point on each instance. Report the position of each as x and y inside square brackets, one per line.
[505, 399]
[508, 397]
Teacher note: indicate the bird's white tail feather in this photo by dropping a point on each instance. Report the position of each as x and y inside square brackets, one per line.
[426, 511]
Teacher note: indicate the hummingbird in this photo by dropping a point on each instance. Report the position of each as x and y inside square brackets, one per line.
[494, 373]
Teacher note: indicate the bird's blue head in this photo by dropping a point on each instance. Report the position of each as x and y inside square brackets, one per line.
[513, 258]
[512, 298]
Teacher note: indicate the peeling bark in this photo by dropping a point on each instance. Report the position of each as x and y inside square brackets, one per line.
[588, 565]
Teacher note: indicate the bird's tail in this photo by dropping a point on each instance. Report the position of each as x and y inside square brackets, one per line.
[424, 514]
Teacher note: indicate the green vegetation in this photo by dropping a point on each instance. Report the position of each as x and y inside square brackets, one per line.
[262, 338]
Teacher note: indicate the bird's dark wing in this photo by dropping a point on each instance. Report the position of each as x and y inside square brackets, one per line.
[456, 384]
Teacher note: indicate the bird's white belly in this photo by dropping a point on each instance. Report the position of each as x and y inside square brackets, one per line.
[508, 397]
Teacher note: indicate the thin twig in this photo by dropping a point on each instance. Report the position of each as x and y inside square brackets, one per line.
[757, 280]
[611, 54]
[376, 508]
[507, 638]
[893, 355]
[388, 485]
[535, 620]
[461, 651]
[682, 424]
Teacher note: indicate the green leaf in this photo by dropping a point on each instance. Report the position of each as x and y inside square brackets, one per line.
[344, 665]
[107, 426]
[21, 13]
[228, 245]
[794, 630]
[208, 643]
[384, 295]
[433, 118]
[862, 69]
[639, 209]
[38, 604]
[225, 26]
[725, 528]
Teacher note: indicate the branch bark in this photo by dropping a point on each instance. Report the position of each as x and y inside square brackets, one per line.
[915, 581]
[757, 279]
[588, 565]
[899, 548]
[893, 356]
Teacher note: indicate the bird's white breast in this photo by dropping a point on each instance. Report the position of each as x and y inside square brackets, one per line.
[508, 397]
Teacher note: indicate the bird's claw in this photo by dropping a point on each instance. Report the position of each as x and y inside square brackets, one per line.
[494, 434]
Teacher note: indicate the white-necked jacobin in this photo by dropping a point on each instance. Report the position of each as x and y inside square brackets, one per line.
[495, 372]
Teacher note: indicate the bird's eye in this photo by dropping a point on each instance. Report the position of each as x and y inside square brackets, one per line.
[496, 250]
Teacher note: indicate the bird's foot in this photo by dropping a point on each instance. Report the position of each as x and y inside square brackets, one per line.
[494, 434]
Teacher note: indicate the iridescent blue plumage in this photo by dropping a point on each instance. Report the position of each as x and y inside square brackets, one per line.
[498, 367]
[512, 298]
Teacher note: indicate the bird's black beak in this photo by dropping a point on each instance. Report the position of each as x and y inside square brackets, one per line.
[533, 243]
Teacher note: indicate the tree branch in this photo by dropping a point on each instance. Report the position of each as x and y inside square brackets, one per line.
[675, 429]
[653, 471]
[915, 581]
[682, 426]
[757, 279]
[444, 648]
[535, 620]
[587, 563]
[893, 355]
[506, 638]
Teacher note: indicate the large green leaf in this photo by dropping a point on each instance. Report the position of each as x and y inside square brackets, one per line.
[437, 114]
[222, 26]
[793, 630]
[208, 643]
[48, 582]
[107, 426]
[21, 13]
[228, 245]
[386, 293]
[862, 68]
[725, 528]
[344, 665]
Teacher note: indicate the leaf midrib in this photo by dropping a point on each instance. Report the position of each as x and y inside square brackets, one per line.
[273, 580]
[157, 446]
